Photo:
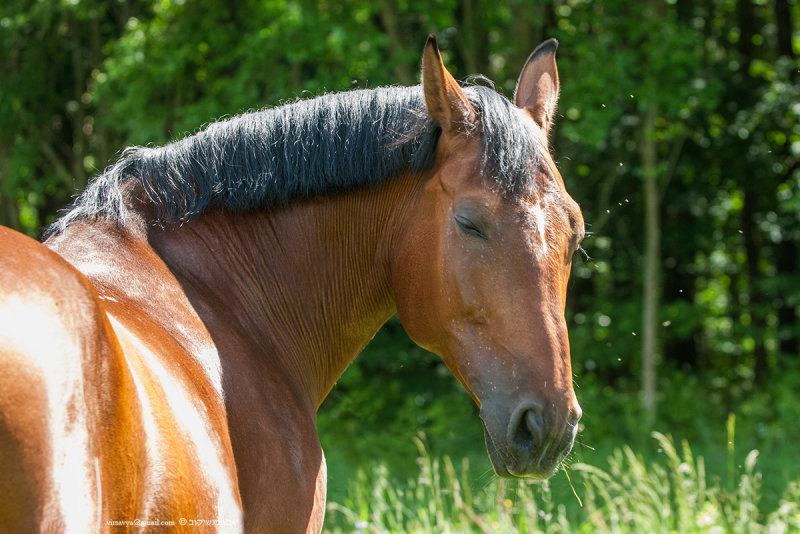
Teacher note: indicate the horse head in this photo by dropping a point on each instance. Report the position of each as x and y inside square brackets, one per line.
[480, 276]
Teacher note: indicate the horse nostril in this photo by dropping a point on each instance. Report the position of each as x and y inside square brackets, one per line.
[525, 431]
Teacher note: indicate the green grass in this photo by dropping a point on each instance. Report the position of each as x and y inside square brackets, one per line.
[672, 493]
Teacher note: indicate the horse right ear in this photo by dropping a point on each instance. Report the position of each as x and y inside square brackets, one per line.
[445, 101]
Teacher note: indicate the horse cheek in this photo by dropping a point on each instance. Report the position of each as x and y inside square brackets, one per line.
[416, 292]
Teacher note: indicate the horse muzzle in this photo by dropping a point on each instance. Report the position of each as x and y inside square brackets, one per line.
[530, 442]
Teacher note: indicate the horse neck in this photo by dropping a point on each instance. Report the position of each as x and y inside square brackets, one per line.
[306, 285]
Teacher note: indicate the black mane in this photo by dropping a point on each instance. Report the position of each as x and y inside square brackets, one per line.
[333, 142]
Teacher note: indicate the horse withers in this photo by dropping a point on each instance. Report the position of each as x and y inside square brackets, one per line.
[164, 352]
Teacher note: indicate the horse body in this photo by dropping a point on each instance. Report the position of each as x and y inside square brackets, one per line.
[126, 434]
[183, 364]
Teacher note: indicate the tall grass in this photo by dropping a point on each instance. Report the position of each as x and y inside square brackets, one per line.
[631, 495]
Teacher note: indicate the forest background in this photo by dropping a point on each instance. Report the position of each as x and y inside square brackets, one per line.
[677, 133]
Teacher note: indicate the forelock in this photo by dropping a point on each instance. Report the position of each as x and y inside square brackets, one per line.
[511, 149]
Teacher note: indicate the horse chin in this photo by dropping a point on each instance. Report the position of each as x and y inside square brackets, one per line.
[498, 464]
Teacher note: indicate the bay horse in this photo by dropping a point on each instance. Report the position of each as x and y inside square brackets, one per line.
[164, 352]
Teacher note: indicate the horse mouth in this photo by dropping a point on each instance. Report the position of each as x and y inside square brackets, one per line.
[540, 463]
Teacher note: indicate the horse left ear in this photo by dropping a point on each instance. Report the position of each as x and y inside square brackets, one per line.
[537, 87]
[445, 101]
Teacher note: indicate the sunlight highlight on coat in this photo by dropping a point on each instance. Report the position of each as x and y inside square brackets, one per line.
[154, 471]
[207, 356]
[72, 500]
[187, 413]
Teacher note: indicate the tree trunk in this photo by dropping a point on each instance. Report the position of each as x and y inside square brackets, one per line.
[406, 75]
[783, 20]
[652, 263]
[787, 252]
[473, 38]
[752, 203]
[753, 246]
[79, 175]
[9, 213]
[531, 23]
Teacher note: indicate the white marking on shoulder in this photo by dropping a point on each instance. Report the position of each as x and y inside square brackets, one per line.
[153, 470]
[189, 414]
[71, 504]
[206, 355]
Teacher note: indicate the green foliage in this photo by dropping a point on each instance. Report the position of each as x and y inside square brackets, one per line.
[699, 414]
[675, 495]
[670, 493]
[440, 498]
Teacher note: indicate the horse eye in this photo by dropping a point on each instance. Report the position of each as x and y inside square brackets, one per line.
[469, 227]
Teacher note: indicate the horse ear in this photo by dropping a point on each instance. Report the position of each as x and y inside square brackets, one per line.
[537, 87]
[445, 101]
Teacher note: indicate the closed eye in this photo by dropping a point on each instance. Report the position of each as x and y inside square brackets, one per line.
[469, 227]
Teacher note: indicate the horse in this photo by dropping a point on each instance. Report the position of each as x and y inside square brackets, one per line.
[165, 349]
